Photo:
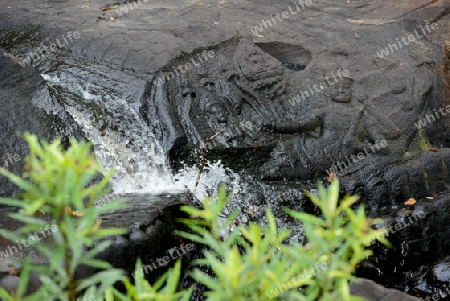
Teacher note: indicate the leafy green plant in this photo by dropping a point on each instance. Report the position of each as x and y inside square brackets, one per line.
[339, 238]
[57, 182]
[248, 263]
[247, 275]
[165, 289]
[255, 264]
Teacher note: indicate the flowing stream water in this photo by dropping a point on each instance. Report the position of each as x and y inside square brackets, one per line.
[107, 109]
[122, 139]
[105, 103]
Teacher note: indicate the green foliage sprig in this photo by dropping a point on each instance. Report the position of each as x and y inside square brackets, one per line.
[255, 264]
[165, 288]
[248, 263]
[338, 238]
[56, 182]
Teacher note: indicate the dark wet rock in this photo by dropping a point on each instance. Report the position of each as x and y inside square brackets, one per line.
[291, 129]
[432, 279]
[293, 57]
[10, 272]
[249, 81]
[8, 267]
[419, 236]
[253, 104]
[34, 283]
[253, 88]
[374, 292]
[11, 279]
[27, 105]
[150, 219]
[10, 283]
[423, 175]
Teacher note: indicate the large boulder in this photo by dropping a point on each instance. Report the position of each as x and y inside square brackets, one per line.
[355, 89]
[306, 107]
[328, 117]
[373, 292]
[27, 105]
[150, 221]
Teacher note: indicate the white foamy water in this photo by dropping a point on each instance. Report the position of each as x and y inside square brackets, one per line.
[132, 149]
[213, 175]
[139, 159]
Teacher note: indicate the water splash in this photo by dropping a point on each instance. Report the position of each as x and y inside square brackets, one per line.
[121, 138]
[123, 141]
[213, 175]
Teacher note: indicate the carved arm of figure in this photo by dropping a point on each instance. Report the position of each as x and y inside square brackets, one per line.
[373, 134]
[387, 126]
[289, 127]
[350, 139]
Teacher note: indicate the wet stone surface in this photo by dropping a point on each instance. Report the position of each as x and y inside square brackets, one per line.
[331, 89]
[150, 220]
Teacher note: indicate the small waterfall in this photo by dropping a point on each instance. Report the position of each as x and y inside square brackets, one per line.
[123, 141]
[212, 176]
[121, 138]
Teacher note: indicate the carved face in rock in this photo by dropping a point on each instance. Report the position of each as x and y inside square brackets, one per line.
[341, 91]
[212, 103]
[253, 61]
[231, 94]
[262, 71]
[217, 111]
